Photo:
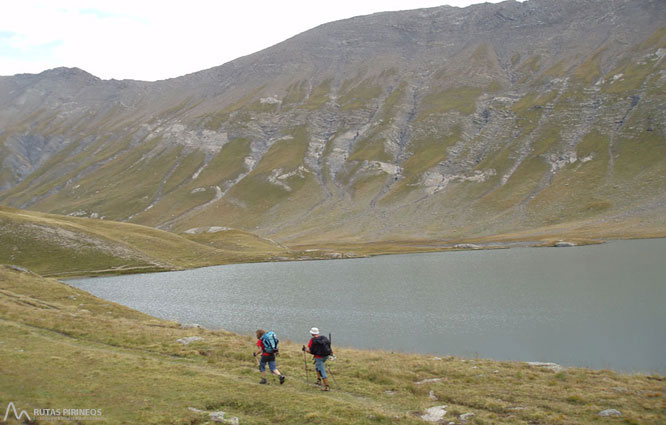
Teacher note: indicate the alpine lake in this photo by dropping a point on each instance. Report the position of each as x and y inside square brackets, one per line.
[599, 306]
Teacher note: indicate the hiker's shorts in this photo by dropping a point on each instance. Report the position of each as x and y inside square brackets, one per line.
[319, 365]
[271, 364]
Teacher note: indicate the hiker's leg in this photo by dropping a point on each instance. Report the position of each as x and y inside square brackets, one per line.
[321, 369]
[262, 369]
[273, 367]
[275, 371]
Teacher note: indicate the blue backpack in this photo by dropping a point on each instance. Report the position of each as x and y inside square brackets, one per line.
[270, 341]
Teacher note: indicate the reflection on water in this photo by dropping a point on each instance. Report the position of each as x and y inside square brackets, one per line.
[598, 306]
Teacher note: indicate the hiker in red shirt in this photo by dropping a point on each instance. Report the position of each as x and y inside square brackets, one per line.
[320, 347]
[267, 349]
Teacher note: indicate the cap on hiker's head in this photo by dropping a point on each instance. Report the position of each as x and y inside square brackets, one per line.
[314, 331]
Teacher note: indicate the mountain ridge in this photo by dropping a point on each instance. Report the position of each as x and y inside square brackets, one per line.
[430, 123]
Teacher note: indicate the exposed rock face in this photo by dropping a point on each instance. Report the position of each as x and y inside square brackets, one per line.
[189, 339]
[610, 412]
[429, 381]
[425, 123]
[466, 246]
[191, 326]
[546, 365]
[434, 414]
[219, 417]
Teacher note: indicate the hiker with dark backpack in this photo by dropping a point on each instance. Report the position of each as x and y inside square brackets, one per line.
[320, 347]
[268, 348]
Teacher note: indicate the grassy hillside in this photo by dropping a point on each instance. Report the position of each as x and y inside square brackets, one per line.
[59, 245]
[233, 240]
[54, 245]
[61, 347]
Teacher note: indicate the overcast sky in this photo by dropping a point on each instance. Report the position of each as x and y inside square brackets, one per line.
[150, 40]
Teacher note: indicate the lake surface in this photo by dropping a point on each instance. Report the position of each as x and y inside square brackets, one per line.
[601, 306]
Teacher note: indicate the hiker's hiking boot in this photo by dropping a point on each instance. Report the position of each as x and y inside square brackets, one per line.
[326, 388]
[318, 382]
[281, 379]
[263, 381]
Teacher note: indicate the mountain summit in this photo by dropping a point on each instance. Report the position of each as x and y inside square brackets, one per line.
[424, 124]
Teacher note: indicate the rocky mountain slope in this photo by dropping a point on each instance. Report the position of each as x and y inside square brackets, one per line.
[424, 124]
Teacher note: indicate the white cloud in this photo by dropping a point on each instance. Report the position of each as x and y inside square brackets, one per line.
[152, 40]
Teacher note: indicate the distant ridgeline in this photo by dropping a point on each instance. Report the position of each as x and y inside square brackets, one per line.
[423, 124]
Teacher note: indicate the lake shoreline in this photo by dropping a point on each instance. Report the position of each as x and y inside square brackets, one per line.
[309, 254]
[501, 304]
[365, 250]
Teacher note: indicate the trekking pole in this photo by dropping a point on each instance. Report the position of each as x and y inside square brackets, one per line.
[305, 364]
[332, 376]
[330, 340]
